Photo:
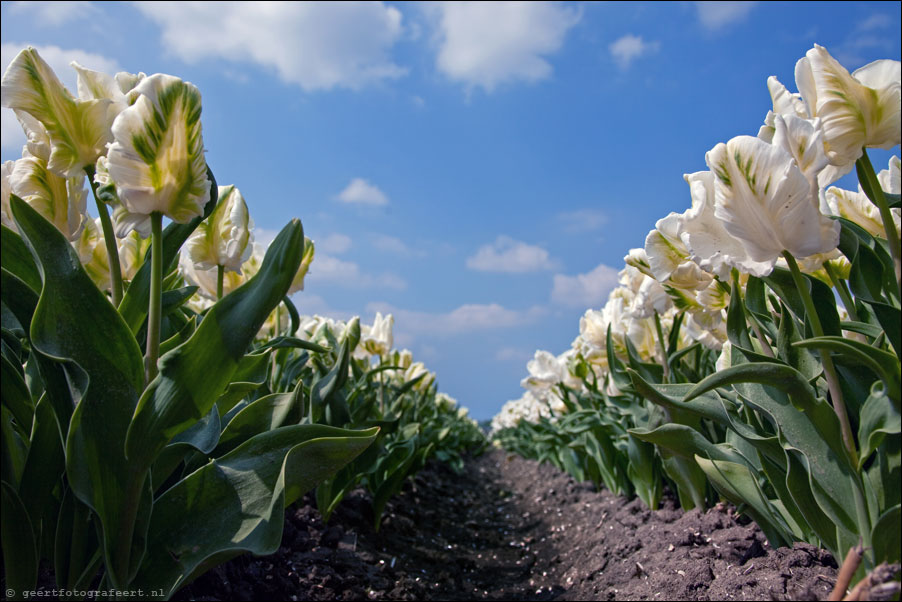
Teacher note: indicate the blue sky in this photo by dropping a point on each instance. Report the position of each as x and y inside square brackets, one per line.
[478, 170]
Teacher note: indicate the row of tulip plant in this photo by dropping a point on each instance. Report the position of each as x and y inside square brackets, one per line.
[162, 400]
[751, 350]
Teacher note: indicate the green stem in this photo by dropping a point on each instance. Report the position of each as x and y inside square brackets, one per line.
[662, 348]
[381, 388]
[843, 291]
[839, 405]
[109, 239]
[872, 189]
[220, 275]
[156, 296]
[861, 509]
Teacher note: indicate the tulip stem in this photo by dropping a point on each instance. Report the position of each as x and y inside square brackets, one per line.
[109, 240]
[220, 273]
[839, 406]
[843, 291]
[871, 186]
[156, 296]
[662, 348]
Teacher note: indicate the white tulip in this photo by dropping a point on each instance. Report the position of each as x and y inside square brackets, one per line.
[78, 129]
[858, 109]
[157, 156]
[224, 238]
[765, 201]
[709, 244]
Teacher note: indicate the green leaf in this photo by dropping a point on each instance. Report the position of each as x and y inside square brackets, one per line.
[193, 375]
[807, 426]
[672, 398]
[237, 503]
[325, 389]
[74, 323]
[17, 259]
[15, 395]
[264, 414]
[737, 483]
[879, 417]
[293, 314]
[882, 363]
[799, 358]
[77, 554]
[781, 282]
[885, 536]
[20, 552]
[44, 467]
[283, 342]
[18, 297]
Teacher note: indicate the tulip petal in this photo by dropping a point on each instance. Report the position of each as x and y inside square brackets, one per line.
[765, 201]
[78, 128]
[709, 244]
[157, 159]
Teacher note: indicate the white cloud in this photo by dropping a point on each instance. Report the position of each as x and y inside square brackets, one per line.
[334, 243]
[585, 290]
[12, 136]
[56, 13]
[264, 236]
[316, 45]
[463, 319]
[714, 15]
[361, 192]
[331, 270]
[582, 220]
[628, 48]
[513, 354]
[512, 256]
[58, 58]
[390, 244]
[490, 43]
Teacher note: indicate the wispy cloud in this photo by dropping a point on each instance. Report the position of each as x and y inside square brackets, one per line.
[585, 290]
[316, 45]
[56, 13]
[582, 220]
[625, 49]
[715, 15]
[875, 34]
[513, 354]
[327, 269]
[334, 243]
[389, 244]
[512, 256]
[361, 192]
[485, 44]
[464, 319]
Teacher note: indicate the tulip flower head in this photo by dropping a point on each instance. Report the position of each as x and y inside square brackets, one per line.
[78, 129]
[157, 156]
[224, 238]
[766, 202]
[858, 110]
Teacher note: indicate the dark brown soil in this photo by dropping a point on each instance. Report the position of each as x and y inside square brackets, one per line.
[511, 529]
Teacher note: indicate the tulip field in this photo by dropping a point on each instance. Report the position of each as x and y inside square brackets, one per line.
[166, 409]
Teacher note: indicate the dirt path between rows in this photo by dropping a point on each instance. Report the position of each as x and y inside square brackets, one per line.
[511, 529]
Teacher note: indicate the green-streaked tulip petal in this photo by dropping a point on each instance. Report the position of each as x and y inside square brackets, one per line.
[223, 239]
[79, 129]
[157, 155]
